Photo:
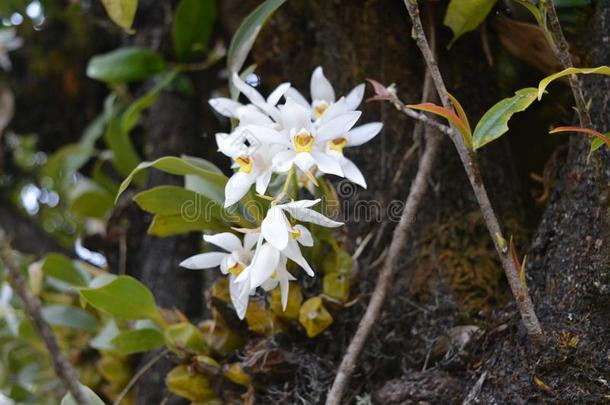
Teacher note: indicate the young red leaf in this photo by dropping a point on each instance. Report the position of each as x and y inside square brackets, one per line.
[460, 111]
[587, 131]
[449, 116]
[381, 91]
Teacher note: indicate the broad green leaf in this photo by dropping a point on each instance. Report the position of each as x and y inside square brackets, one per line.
[121, 12]
[90, 200]
[197, 183]
[172, 200]
[463, 16]
[125, 65]
[62, 268]
[124, 297]
[139, 340]
[72, 317]
[102, 341]
[130, 117]
[66, 160]
[602, 70]
[180, 166]
[168, 225]
[93, 132]
[246, 34]
[494, 122]
[598, 142]
[91, 396]
[124, 155]
[192, 26]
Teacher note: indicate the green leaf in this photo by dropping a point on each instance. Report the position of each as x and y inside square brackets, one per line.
[246, 34]
[169, 225]
[125, 65]
[463, 16]
[102, 341]
[66, 161]
[124, 297]
[62, 268]
[139, 340]
[90, 200]
[91, 396]
[181, 166]
[534, 10]
[121, 12]
[494, 122]
[130, 117]
[124, 155]
[192, 26]
[72, 317]
[602, 70]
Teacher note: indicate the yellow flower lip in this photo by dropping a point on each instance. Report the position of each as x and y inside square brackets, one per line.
[295, 233]
[320, 108]
[236, 269]
[245, 163]
[303, 141]
[337, 144]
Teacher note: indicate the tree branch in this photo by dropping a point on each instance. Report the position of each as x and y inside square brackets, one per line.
[62, 367]
[561, 48]
[524, 302]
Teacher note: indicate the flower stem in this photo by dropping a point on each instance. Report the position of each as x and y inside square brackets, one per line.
[524, 302]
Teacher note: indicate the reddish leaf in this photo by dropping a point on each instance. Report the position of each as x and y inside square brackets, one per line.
[449, 116]
[587, 131]
[381, 92]
[460, 111]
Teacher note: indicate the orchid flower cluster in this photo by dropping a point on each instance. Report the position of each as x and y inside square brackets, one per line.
[296, 137]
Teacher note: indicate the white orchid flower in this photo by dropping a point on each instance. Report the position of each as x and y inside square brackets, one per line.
[252, 161]
[233, 261]
[9, 41]
[6, 310]
[354, 137]
[323, 96]
[306, 143]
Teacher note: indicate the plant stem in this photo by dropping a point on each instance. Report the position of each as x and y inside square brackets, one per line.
[524, 302]
[561, 48]
[416, 193]
[62, 367]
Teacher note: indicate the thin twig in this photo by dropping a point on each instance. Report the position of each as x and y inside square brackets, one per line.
[62, 367]
[418, 187]
[561, 48]
[524, 302]
[139, 375]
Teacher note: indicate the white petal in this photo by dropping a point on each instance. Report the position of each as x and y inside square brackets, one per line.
[327, 164]
[282, 162]
[249, 114]
[225, 106]
[276, 94]
[255, 97]
[203, 260]
[354, 98]
[337, 127]
[300, 204]
[363, 133]
[231, 145]
[298, 97]
[293, 252]
[264, 265]
[275, 228]
[321, 89]
[304, 161]
[309, 215]
[250, 240]
[352, 173]
[238, 298]
[295, 116]
[334, 110]
[262, 181]
[305, 237]
[225, 240]
[237, 187]
[259, 135]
